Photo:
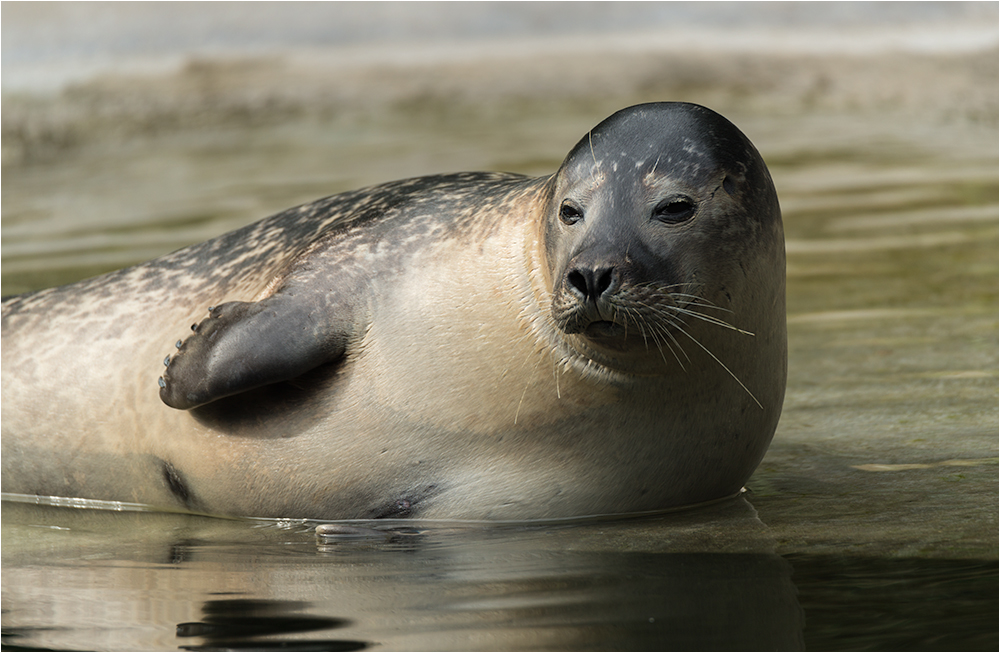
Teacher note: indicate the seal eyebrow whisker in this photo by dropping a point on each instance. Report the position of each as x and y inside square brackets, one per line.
[590, 139]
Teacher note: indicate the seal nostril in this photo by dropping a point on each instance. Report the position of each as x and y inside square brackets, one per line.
[578, 281]
[604, 281]
[591, 283]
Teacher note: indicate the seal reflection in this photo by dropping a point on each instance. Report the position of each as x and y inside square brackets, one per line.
[256, 624]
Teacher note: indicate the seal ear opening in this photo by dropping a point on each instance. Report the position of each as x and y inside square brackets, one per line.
[729, 185]
[241, 346]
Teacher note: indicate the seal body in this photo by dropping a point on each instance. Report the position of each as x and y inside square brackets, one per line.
[607, 339]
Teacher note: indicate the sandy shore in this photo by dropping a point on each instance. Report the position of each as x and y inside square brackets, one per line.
[951, 80]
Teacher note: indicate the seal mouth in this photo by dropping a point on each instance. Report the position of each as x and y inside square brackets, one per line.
[605, 329]
[637, 318]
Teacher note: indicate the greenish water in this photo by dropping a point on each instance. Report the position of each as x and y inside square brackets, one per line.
[871, 524]
[704, 580]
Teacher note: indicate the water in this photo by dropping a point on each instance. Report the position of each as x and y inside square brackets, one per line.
[870, 525]
[705, 580]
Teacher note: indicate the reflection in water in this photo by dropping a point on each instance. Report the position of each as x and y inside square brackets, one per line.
[163, 581]
[255, 624]
[93, 579]
[635, 601]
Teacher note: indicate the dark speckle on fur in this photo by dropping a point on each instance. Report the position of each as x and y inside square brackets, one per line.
[401, 507]
[176, 484]
[398, 508]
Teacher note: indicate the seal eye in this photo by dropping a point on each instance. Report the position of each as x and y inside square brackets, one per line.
[674, 210]
[570, 213]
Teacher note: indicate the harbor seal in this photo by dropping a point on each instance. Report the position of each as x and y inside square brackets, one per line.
[608, 339]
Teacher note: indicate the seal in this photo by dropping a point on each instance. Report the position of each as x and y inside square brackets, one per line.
[608, 339]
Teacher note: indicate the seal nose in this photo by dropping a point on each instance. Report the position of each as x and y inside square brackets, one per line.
[592, 283]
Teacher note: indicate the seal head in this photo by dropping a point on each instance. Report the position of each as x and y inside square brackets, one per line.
[650, 212]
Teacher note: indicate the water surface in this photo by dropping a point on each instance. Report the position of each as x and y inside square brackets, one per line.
[705, 580]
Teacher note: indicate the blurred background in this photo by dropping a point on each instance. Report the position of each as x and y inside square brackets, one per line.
[131, 129]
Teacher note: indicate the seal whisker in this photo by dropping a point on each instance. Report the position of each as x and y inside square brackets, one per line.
[625, 315]
[524, 392]
[707, 318]
[673, 351]
[555, 373]
[638, 323]
[670, 292]
[666, 332]
[674, 310]
[698, 300]
[729, 371]
[525, 337]
[659, 334]
[669, 287]
[517, 411]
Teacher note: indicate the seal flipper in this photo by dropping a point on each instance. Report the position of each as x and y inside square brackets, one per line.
[245, 345]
